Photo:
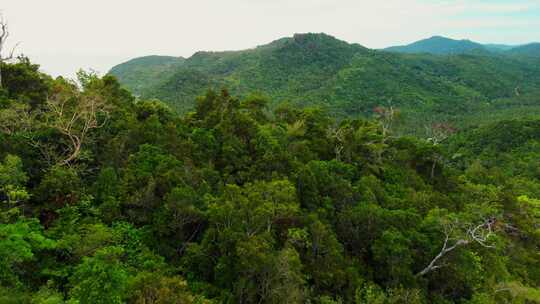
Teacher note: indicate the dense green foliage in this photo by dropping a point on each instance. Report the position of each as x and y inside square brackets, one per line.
[349, 80]
[106, 198]
[149, 68]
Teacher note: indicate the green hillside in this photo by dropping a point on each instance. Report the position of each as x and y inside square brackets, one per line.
[348, 79]
[531, 50]
[142, 73]
[494, 47]
[438, 45]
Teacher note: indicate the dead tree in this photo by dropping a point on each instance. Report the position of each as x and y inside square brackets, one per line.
[439, 132]
[74, 114]
[338, 136]
[4, 35]
[436, 134]
[386, 116]
[478, 234]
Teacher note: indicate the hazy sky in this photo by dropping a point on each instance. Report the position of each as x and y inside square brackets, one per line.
[65, 35]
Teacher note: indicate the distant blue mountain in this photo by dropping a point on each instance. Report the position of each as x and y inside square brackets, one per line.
[531, 50]
[499, 47]
[439, 46]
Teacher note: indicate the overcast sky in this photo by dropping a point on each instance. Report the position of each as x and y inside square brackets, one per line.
[65, 35]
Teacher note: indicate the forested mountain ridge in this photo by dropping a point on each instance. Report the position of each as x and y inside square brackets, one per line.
[109, 198]
[150, 68]
[350, 80]
[439, 45]
[531, 50]
[281, 66]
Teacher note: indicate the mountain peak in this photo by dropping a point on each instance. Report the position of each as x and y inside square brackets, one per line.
[312, 44]
[308, 38]
[301, 37]
[439, 45]
[437, 37]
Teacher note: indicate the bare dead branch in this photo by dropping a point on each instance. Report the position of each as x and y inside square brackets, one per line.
[337, 134]
[386, 117]
[12, 52]
[74, 114]
[478, 234]
[439, 132]
[4, 35]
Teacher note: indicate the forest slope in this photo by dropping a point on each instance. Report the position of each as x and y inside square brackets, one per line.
[348, 79]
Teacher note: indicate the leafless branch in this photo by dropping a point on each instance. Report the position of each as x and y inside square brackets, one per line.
[386, 117]
[337, 134]
[12, 52]
[439, 132]
[476, 234]
[74, 115]
[481, 233]
[4, 35]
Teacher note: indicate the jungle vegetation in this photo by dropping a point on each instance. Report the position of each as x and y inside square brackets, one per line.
[109, 198]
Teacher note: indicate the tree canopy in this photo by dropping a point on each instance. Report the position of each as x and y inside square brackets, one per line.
[108, 198]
